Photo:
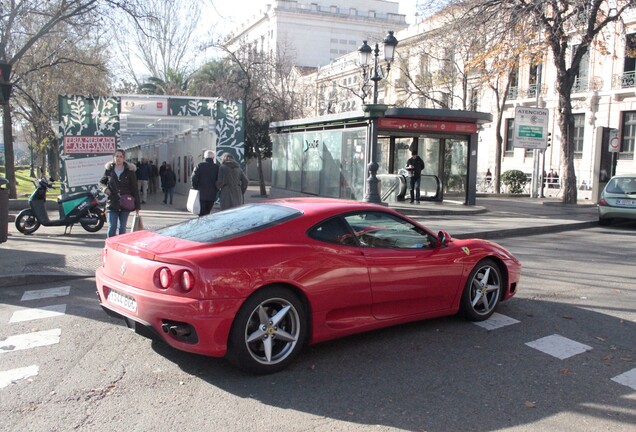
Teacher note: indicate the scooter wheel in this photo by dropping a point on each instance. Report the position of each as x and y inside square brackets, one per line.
[26, 222]
[101, 219]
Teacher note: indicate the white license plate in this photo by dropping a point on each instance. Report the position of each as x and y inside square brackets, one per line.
[626, 202]
[123, 300]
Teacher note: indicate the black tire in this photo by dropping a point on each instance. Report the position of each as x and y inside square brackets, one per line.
[482, 291]
[101, 219]
[261, 345]
[604, 221]
[26, 222]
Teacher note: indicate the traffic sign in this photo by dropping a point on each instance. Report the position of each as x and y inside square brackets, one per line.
[614, 141]
[531, 128]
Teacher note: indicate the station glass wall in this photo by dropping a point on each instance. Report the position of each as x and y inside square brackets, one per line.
[322, 163]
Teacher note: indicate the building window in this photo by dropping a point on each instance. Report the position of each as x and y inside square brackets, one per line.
[533, 90]
[629, 135]
[513, 91]
[510, 132]
[629, 63]
[582, 80]
[579, 129]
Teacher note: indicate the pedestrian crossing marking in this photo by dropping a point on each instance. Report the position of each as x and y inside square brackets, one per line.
[628, 379]
[496, 321]
[46, 293]
[559, 346]
[30, 340]
[13, 375]
[38, 313]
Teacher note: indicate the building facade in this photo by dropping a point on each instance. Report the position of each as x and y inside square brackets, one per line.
[310, 33]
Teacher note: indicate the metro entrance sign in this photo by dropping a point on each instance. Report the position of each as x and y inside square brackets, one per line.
[531, 128]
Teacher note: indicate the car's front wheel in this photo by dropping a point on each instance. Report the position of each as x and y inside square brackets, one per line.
[482, 291]
[268, 332]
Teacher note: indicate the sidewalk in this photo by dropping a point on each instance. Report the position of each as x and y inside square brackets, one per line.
[49, 255]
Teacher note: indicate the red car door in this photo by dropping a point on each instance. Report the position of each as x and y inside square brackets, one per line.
[413, 281]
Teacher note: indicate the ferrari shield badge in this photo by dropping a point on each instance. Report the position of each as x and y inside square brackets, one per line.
[466, 250]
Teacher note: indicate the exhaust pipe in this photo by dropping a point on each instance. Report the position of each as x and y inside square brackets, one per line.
[179, 331]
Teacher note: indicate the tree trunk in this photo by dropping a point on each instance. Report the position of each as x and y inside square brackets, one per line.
[566, 126]
[9, 158]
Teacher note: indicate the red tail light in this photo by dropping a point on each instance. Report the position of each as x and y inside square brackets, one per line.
[165, 277]
[187, 280]
[104, 255]
[602, 202]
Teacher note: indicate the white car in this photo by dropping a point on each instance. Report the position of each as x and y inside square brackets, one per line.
[618, 199]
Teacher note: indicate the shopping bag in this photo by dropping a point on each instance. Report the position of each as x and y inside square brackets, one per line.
[138, 224]
[193, 205]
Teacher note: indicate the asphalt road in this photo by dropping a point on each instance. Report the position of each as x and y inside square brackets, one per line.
[576, 292]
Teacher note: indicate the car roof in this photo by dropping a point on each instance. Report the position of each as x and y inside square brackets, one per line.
[624, 175]
[319, 206]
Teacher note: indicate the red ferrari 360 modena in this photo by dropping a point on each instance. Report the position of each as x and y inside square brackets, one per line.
[258, 282]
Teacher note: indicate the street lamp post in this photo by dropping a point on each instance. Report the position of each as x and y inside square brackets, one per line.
[375, 110]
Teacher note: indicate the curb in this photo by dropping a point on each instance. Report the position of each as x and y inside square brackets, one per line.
[37, 278]
[518, 232]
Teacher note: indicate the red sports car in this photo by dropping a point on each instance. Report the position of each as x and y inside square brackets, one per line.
[258, 282]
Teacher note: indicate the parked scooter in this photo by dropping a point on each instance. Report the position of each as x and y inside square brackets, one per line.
[77, 207]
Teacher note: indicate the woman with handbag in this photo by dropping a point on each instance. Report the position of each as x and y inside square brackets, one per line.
[119, 183]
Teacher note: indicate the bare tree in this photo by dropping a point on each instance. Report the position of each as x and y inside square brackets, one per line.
[24, 24]
[566, 26]
[75, 62]
[162, 44]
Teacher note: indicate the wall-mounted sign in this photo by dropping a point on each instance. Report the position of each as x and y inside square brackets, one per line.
[151, 106]
[396, 124]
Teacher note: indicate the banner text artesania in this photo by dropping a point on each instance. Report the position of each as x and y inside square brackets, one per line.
[84, 144]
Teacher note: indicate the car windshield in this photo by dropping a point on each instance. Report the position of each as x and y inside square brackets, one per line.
[622, 185]
[230, 223]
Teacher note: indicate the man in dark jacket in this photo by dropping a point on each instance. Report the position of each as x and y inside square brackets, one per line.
[414, 166]
[204, 179]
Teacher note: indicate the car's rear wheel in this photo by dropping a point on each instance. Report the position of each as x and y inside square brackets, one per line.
[268, 332]
[604, 221]
[482, 291]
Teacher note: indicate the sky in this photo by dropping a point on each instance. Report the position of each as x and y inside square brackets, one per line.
[225, 12]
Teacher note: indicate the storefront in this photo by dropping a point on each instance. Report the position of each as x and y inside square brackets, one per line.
[328, 155]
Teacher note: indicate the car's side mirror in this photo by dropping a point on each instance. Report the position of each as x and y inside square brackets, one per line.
[444, 238]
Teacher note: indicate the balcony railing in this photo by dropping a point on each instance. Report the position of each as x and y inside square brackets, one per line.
[581, 84]
[626, 80]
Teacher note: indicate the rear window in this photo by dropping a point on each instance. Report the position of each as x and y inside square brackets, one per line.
[230, 223]
[621, 185]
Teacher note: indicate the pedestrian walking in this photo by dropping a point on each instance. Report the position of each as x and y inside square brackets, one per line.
[162, 169]
[143, 178]
[204, 179]
[154, 175]
[232, 182]
[168, 181]
[414, 166]
[119, 183]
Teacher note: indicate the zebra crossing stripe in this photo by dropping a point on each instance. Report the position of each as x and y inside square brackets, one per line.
[627, 379]
[496, 321]
[30, 340]
[46, 293]
[13, 375]
[38, 313]
[559, 346]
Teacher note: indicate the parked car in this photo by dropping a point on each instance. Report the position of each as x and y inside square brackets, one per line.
[258, 282]
[618, 199]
